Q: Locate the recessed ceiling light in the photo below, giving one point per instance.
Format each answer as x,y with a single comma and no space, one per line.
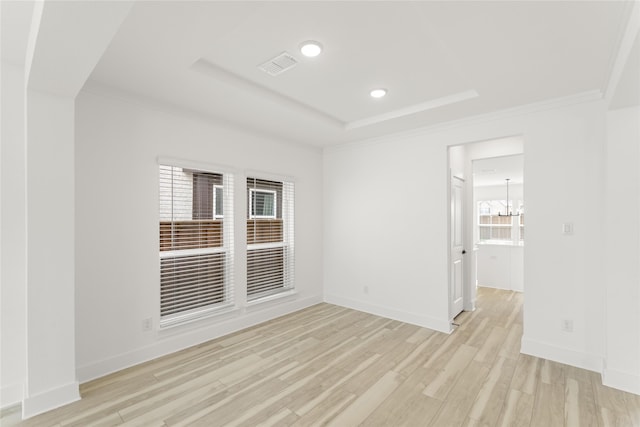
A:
311,48
378,93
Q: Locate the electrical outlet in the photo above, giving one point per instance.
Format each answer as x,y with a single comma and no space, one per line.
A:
365,289
567,325
147,324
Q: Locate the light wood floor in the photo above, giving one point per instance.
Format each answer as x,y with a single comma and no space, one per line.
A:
328,365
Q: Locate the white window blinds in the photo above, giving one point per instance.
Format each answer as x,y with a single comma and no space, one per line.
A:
196,243
270,239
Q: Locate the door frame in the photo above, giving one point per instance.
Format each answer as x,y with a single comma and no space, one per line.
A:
507,145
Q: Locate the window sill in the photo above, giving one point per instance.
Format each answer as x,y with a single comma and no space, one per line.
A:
273,297
171,324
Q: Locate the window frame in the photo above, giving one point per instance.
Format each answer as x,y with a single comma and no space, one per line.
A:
283,212
194,312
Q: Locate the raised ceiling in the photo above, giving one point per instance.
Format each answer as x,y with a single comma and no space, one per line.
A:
440,61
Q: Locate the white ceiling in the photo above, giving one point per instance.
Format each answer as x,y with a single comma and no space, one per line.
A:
494,171
203,56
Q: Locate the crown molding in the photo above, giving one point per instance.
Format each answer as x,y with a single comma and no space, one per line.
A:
412,109
536,107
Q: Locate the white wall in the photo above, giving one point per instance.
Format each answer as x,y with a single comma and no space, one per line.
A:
507,146
457,161
51,379
13,229
399,253
117,272
385,241
57,44
622,222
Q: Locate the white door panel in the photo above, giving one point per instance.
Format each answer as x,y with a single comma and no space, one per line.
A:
457,250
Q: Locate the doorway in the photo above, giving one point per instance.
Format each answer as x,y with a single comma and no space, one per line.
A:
498,222
467,238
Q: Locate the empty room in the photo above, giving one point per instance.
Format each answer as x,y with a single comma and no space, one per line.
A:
307,213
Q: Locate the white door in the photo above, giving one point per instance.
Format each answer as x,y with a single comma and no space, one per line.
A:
456,277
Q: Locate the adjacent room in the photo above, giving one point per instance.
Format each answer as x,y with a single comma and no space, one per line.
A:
499,227
313,213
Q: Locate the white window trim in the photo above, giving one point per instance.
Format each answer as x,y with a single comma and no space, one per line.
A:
200,166
191,252
266,245
184,318
275,204
267,176
287,293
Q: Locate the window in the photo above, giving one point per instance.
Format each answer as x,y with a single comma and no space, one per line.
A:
270,242
196,243
262,203
492,226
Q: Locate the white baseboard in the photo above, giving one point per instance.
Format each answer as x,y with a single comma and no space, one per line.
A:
11,395
178,339
403,316
51,399
624,381
567,356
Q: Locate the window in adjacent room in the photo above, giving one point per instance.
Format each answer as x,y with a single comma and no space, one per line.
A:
495,227
196,243
270,240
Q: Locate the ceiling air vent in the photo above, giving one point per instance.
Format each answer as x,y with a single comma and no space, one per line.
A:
279,64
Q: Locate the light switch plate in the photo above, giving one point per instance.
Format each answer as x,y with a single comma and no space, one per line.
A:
567,228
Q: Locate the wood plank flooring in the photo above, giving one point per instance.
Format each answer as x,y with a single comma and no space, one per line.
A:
328,365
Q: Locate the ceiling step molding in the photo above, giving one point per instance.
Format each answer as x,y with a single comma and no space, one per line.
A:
434,103
550,104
